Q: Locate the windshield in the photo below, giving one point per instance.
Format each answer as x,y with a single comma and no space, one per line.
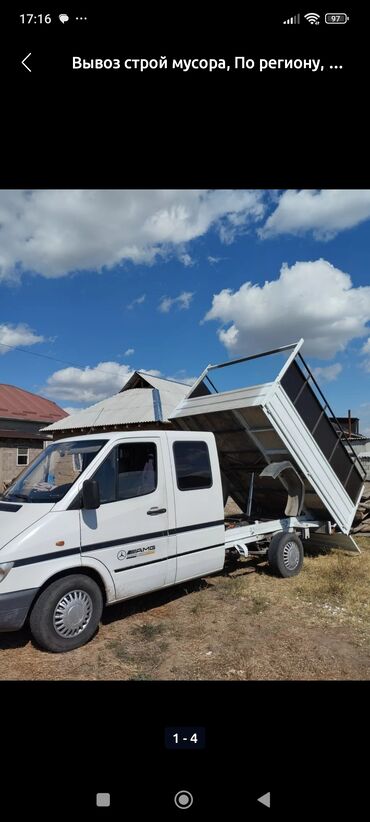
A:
53,473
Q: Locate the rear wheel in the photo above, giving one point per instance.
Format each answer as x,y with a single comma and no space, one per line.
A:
67,613
285,554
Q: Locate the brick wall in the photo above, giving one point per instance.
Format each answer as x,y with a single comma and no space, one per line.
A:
9,469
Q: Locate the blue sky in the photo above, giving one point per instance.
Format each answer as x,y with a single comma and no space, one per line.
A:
170,281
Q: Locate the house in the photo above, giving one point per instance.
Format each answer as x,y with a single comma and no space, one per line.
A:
22,415
145,402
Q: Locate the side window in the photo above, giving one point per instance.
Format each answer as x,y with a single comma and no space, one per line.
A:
137,469
128,471
193,467
106,477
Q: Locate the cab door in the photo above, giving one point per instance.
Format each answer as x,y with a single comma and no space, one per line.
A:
129,531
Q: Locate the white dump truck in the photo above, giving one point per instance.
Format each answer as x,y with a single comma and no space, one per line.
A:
104,517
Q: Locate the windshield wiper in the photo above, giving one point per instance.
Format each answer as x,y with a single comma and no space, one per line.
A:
17,496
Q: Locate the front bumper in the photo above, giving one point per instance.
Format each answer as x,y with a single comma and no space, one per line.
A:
14,608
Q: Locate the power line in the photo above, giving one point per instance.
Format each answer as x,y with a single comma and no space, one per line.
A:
54,359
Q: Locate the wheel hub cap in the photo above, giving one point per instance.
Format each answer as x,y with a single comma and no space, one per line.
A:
72,614
291,555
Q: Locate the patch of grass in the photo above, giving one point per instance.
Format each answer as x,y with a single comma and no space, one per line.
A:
121,654
229,665
149,630
120,651
331,587
230,586
200,606
338,577
257,604
335,586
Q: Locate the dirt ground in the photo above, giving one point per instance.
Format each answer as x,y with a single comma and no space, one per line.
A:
242,624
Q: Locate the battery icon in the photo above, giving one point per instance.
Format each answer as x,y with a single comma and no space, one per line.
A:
336,18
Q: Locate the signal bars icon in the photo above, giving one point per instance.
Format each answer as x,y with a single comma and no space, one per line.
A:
293,20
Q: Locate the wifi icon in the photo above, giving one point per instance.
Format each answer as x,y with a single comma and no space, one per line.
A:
312,18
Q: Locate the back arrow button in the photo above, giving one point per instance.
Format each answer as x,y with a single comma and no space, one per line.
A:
265,800
24,61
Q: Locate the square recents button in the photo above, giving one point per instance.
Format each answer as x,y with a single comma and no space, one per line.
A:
103,800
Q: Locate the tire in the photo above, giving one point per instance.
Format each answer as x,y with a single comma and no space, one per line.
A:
67,613
285,554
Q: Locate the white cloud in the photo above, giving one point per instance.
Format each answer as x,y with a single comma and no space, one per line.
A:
182,301
324,212
56,232
17,336
186,259
165,305
328,373
129,352
89,384
313,300
137,301
213,260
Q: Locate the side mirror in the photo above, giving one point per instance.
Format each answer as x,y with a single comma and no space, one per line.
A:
90,494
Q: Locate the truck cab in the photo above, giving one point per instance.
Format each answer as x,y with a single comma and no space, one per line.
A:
102,518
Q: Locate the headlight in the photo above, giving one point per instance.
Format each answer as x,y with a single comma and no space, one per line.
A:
5,567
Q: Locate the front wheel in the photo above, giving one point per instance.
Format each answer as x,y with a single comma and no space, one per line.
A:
67,613
285,554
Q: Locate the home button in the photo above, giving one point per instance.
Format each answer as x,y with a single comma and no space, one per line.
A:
183,800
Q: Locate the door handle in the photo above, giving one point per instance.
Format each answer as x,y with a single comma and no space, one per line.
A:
153,511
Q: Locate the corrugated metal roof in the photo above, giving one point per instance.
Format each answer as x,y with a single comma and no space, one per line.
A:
171,392
15,403
136,405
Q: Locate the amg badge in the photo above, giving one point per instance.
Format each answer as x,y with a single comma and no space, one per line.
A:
134,552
